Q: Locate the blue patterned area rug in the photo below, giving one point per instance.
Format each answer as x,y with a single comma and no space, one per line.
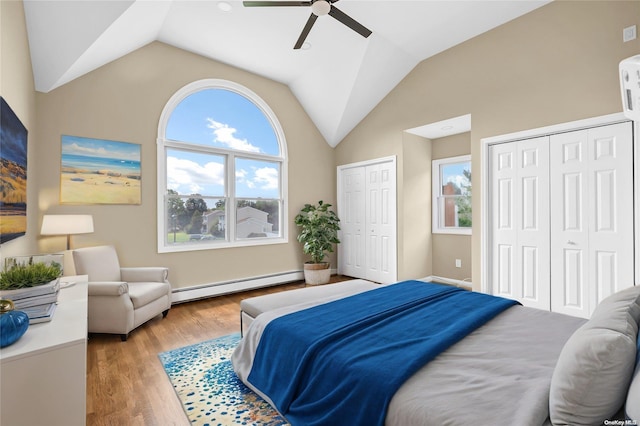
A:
210,391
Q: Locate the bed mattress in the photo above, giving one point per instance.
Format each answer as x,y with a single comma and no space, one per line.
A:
499,373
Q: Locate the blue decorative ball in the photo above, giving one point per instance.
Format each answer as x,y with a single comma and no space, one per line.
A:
13,324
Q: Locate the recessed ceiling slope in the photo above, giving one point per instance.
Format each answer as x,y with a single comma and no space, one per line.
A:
60,32
141,24
338,81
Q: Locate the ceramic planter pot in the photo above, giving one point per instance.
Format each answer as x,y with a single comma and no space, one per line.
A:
317,273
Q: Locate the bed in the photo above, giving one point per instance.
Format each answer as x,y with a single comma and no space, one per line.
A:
520,365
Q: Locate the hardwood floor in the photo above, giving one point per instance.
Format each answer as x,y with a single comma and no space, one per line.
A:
126,384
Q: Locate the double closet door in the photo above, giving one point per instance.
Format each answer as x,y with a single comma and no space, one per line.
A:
367,211
562,218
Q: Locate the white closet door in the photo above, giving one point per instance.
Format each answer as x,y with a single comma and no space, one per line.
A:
520,221
380,219
532,222
570,227
351,251
504,243
592,211
367,211
611,238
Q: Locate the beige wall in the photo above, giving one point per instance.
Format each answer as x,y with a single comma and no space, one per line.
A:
451,146
123,101
414,242
556,64
17,89
448,247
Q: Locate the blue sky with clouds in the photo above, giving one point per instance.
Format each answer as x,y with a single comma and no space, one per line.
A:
88,147
454,173
224,119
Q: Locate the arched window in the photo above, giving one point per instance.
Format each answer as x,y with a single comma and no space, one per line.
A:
222,169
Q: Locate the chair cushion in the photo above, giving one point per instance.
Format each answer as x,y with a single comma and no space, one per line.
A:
99,263
144,293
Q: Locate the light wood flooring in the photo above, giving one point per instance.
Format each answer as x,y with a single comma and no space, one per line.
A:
126,384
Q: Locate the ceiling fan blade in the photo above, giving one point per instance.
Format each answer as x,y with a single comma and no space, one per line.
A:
275,3
305,31
349,22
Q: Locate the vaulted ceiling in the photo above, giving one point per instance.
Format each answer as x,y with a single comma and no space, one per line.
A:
338,77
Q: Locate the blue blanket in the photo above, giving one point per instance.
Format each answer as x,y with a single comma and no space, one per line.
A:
342,362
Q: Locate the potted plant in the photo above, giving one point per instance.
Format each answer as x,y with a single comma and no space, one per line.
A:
319,228
22,286
23,277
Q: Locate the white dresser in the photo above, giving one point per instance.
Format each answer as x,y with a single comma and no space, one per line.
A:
43,375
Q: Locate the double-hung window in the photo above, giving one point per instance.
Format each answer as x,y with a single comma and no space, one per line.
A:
221,169
451,193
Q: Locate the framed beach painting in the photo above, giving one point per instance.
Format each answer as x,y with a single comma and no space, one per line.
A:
98,171
13,174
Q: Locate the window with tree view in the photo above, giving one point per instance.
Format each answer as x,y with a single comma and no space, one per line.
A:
221,169
451,179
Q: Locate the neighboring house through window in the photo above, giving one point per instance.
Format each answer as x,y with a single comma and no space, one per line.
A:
222,169
451,193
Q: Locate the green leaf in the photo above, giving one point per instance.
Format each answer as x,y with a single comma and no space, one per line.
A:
319,228
29,275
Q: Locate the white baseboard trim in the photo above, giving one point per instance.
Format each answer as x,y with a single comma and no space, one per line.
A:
187,294
458,283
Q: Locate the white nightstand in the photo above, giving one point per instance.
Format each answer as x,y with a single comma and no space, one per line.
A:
43,375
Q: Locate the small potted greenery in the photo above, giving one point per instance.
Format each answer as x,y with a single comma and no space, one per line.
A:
319,228
23,281
24,276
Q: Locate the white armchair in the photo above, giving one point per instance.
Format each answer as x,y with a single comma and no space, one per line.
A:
121,299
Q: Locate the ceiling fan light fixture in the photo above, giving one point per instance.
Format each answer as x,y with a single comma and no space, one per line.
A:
320,7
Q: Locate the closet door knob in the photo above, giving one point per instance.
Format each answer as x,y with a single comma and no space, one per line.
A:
572,243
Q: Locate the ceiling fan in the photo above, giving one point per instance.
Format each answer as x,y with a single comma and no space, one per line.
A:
318,8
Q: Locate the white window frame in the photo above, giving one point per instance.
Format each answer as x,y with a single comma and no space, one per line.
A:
163,144
436,193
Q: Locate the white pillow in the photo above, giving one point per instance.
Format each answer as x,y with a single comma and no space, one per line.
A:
632,409
619,312
592,376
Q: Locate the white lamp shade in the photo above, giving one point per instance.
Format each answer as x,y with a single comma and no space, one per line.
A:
66,224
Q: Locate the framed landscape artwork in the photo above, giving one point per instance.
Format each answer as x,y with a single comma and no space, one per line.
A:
98,171
13,174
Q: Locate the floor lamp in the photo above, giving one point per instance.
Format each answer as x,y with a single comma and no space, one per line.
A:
67,224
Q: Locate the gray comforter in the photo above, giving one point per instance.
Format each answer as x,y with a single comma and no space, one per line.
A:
499,374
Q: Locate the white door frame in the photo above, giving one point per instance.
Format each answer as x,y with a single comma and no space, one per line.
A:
393,161
485,240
